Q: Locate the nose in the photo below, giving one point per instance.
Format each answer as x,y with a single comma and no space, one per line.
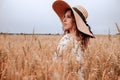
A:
64,19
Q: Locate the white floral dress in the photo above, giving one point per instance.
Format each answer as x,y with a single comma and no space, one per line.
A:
69,43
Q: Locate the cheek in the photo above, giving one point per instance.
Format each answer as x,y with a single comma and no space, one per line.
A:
71,23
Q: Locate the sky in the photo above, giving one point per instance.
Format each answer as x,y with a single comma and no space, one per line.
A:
28,16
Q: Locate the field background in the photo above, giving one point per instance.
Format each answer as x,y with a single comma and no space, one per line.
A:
30,57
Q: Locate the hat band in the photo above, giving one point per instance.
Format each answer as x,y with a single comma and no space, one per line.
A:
80,14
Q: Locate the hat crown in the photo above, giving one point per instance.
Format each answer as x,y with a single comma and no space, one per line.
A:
82,10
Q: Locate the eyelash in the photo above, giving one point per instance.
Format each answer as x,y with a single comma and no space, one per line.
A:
68,16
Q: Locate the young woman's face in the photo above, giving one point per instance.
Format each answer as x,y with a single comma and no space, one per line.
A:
68,21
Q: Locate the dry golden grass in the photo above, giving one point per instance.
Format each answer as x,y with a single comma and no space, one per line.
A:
30,57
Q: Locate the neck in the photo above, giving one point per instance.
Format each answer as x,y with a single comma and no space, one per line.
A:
73,33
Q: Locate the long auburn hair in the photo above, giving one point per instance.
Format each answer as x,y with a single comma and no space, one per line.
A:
81,37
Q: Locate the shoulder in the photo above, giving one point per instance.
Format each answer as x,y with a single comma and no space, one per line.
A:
65,40
63,44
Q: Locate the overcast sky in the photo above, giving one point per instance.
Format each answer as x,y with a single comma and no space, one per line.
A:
22,16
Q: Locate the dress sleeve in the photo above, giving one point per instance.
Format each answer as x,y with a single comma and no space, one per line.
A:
62,45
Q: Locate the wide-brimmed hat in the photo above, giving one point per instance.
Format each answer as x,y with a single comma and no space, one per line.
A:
79,12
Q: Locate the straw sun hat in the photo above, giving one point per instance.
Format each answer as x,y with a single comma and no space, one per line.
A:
79,12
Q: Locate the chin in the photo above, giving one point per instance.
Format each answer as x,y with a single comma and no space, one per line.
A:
66,29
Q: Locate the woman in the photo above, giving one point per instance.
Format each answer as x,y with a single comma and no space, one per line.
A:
77,34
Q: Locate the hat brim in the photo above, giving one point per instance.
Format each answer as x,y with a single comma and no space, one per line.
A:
60,8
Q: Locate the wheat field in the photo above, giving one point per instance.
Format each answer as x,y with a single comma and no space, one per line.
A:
31,57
